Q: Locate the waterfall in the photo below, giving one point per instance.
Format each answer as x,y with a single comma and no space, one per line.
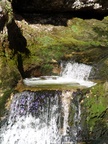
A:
37,118
34,118
71,73
75,71
42,117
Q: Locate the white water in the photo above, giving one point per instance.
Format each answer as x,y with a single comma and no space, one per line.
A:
72,73
76,129
37,117
27,131
32,121
76,71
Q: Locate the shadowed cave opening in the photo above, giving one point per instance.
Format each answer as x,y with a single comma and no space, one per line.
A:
59,18
55,16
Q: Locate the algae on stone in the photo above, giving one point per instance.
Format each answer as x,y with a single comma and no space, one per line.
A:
95,113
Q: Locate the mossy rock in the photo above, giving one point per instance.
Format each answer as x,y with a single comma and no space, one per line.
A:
102,69
88,38
9,74
47,42
51,42
95,113
4,99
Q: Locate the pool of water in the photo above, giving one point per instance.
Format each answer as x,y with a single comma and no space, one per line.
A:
46,81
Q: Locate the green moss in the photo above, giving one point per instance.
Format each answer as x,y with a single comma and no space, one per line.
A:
47,42
71,116
97,100
9,74
3,101
96,109
80,35
46,69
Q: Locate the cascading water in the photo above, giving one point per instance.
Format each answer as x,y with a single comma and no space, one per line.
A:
34,119
75,71
42,117
37,118
71,73
76,129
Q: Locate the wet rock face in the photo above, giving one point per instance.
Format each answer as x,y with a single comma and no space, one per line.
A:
59,5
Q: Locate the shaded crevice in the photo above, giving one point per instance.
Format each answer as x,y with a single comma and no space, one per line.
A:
3,19
58,12
59,18
17,43
20,65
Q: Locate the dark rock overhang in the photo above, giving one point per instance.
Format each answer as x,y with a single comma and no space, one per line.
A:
59,5
69,8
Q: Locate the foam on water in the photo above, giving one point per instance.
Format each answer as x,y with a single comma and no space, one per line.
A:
72,73
28,130
33,119
41,117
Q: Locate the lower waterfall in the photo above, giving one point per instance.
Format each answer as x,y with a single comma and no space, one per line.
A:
37,118
43,116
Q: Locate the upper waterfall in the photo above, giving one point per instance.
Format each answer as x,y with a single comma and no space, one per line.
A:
75,71
71,73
